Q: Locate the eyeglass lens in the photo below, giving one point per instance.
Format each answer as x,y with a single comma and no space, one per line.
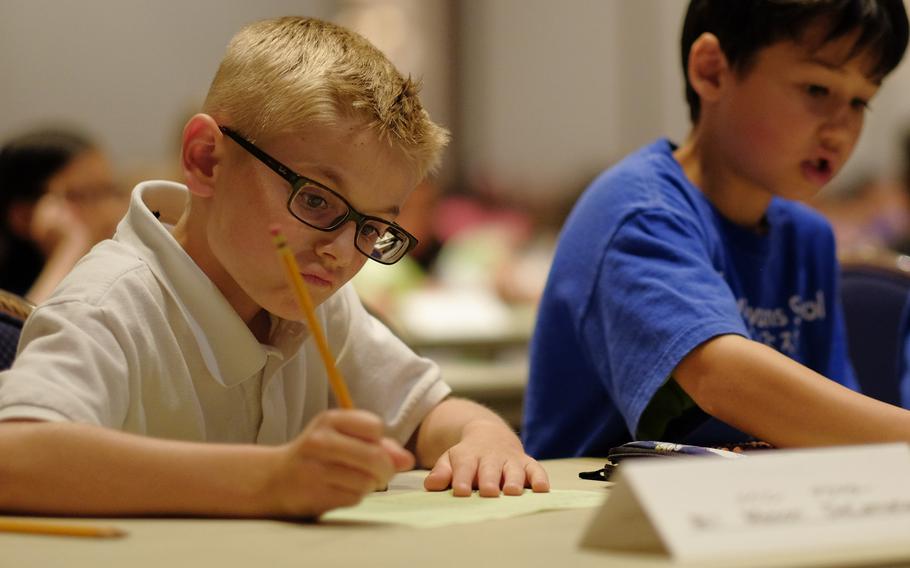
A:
324,210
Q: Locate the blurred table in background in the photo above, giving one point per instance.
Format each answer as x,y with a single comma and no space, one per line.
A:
497,385
480,343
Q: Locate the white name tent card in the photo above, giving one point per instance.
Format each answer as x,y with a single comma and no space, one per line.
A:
846,502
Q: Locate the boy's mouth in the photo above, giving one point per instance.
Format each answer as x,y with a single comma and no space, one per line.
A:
818,171
317,281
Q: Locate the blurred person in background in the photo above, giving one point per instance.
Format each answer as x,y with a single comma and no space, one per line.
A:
871,213
902,243
57,199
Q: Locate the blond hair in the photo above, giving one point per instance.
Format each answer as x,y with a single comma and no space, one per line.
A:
287,73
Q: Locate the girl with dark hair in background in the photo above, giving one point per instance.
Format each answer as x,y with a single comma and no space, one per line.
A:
57,199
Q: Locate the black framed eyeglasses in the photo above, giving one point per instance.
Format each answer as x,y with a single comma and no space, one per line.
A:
321,208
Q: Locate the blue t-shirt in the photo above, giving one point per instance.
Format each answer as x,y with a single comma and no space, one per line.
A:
646,270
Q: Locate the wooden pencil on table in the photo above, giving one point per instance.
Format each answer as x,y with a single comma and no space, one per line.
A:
58,529
292,270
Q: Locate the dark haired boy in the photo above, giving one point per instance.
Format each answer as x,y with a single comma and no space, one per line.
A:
692,298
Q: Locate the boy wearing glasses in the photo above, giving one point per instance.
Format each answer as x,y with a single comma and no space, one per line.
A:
692,299
183,330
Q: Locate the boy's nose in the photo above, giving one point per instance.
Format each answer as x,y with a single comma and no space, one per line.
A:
842,127
338,245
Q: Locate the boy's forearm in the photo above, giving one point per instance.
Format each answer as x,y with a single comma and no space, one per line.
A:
445,426
64,468
764,393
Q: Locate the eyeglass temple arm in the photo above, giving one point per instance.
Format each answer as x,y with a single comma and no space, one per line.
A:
279,168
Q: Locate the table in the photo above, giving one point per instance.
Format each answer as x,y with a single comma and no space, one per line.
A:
546,539
543,540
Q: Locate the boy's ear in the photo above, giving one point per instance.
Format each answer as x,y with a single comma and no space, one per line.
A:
707,67
199,155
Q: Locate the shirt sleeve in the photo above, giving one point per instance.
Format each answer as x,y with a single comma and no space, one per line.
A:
69,368
658,295
385,376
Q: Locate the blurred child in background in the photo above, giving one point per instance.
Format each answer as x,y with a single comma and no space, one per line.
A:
57,199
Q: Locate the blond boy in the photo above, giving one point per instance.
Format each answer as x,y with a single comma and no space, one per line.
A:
182,331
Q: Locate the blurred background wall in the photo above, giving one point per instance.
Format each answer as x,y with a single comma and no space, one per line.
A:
540,95
555,88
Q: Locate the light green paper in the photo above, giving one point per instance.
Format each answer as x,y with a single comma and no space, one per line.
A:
426,509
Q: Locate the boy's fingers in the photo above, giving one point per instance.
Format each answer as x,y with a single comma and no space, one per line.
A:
332,446
325,442
348,480
537,477
356,423
402,459
464,471
440,477
513,479
489,476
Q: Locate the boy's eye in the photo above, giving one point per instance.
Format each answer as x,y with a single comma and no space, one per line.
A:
817,91
369,231
313,201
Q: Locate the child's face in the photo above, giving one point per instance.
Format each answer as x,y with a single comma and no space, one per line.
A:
87,185
348,158
791,120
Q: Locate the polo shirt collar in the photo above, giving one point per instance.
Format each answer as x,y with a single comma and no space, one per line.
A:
230,350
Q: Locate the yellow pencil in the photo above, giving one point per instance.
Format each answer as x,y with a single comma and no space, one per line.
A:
336,381
57,529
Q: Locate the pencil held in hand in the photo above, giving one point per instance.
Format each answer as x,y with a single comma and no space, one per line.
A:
336,381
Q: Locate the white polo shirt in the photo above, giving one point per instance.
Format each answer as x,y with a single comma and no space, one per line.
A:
138,338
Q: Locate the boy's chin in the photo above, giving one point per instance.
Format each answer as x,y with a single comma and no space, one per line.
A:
286,306
805,192
799,189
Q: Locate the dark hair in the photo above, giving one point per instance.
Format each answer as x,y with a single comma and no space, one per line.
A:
743,27
29,161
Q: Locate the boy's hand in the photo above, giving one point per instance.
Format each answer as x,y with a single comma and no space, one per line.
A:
55,223
489,456
339,457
